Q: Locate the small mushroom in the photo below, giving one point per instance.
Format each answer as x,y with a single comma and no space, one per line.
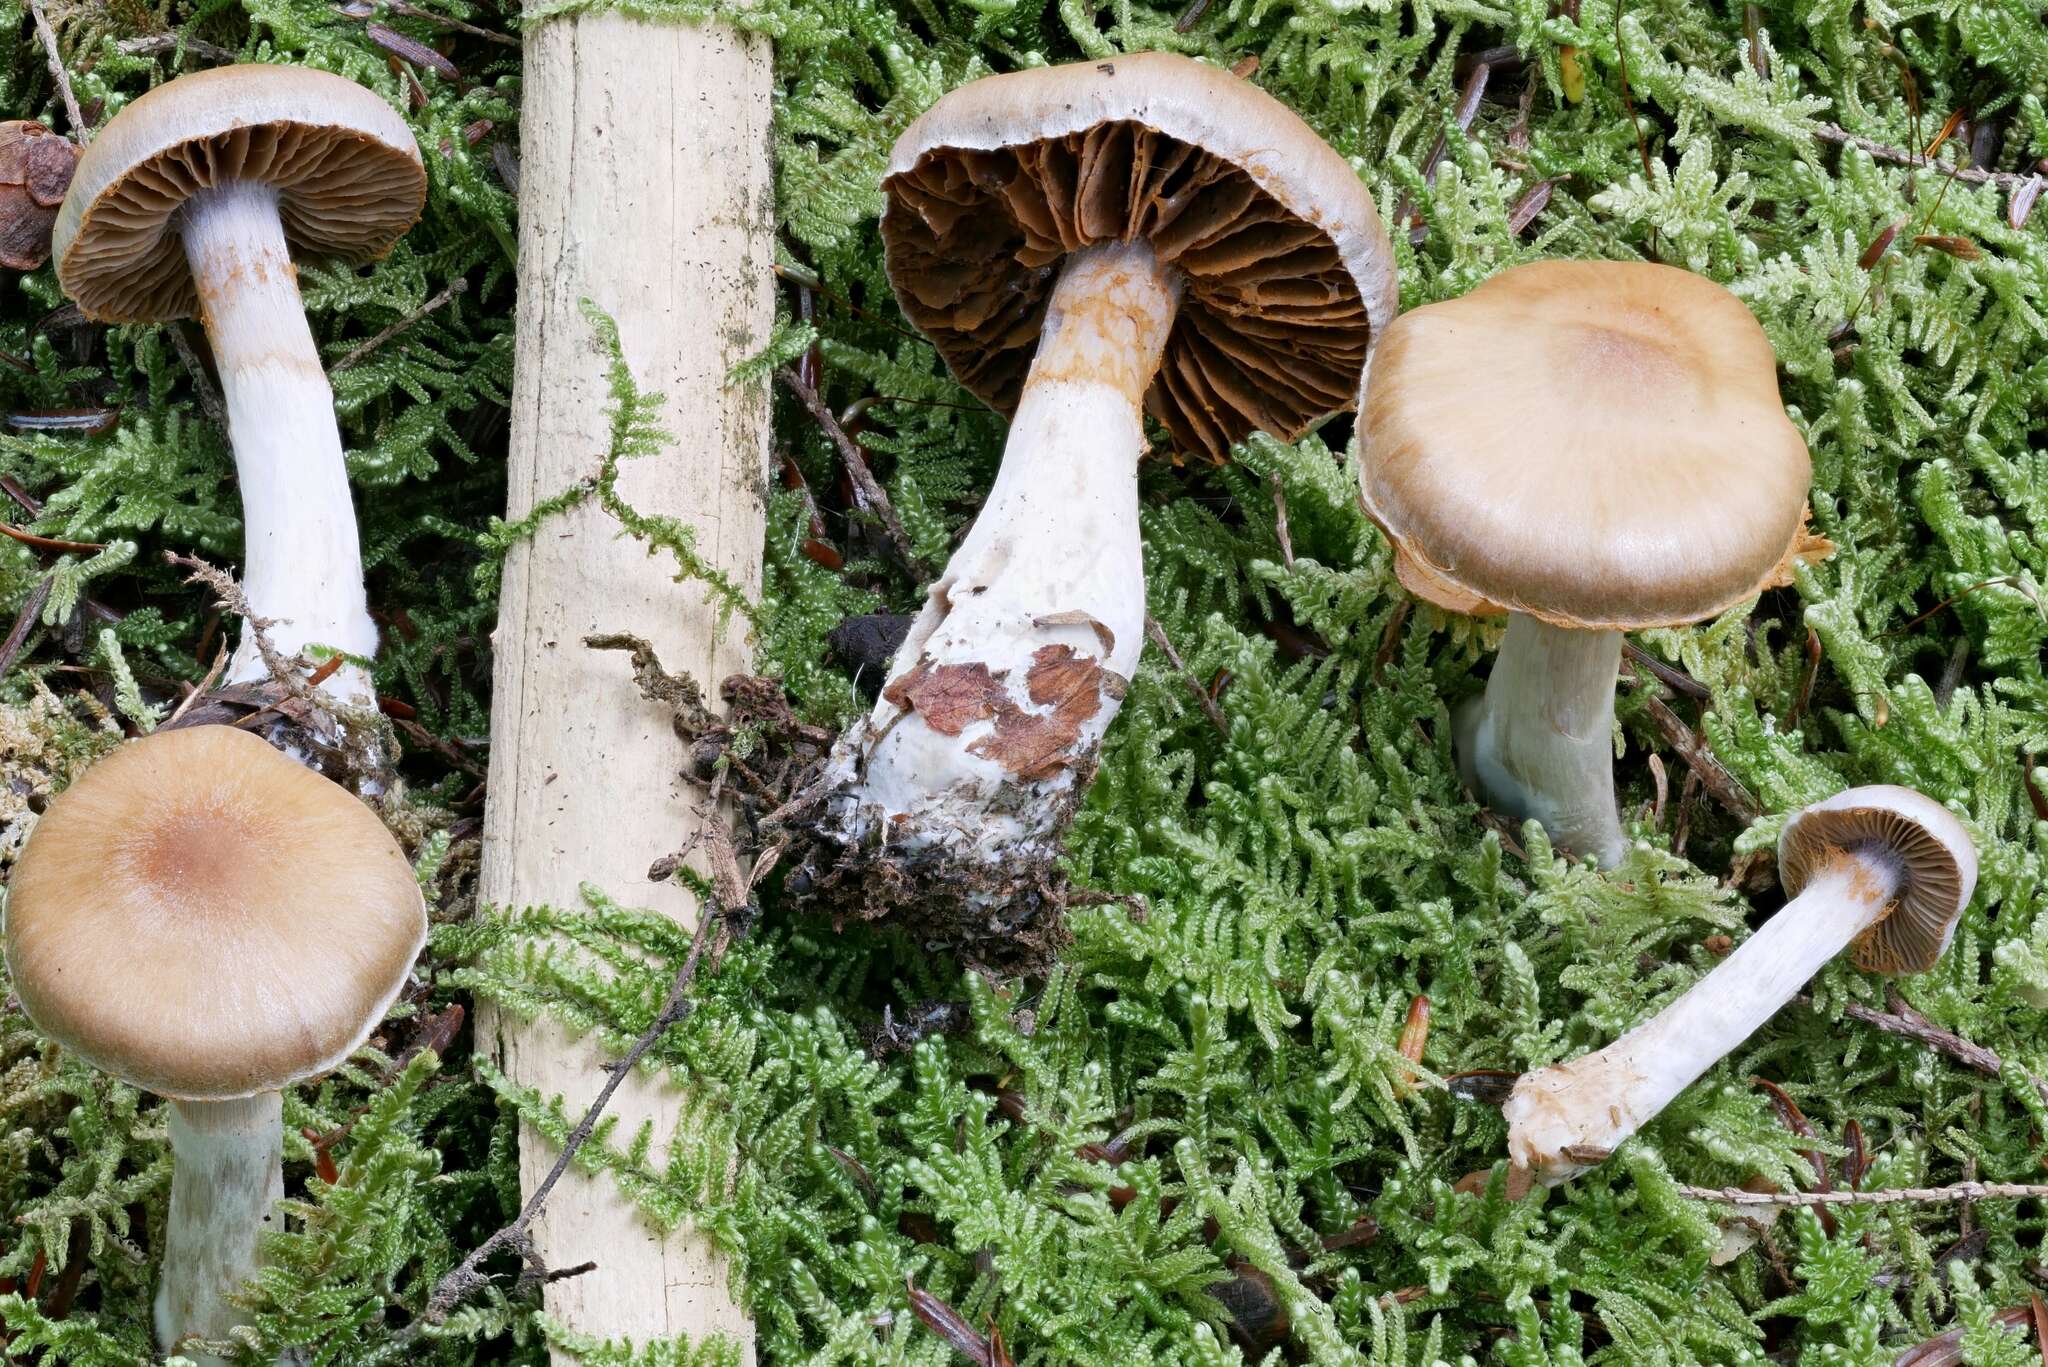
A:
1883,871
190,201
1592,447
35,169
1084,245
207,920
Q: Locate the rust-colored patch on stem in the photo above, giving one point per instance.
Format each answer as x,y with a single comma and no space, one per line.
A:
1031,745
950,698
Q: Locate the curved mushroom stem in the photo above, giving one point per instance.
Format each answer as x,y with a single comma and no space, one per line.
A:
1539,742
227,1180
1568,1117
303,565
998,699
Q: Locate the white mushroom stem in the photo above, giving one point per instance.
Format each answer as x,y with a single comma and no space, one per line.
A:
227,1179
1540,741
1053,560
1568,1117
303,567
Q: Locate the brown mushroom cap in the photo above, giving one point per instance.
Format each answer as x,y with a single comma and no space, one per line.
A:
1936,859
201,916
346,167
1594,443
1287,274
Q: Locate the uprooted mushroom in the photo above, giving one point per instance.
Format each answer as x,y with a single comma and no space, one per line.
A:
1085,245
191,201
1882,871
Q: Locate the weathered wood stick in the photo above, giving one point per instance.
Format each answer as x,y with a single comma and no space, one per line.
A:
646,189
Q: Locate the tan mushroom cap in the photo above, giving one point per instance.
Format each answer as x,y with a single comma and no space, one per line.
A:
1594,443
1935,856
346,167
1287,273
208,920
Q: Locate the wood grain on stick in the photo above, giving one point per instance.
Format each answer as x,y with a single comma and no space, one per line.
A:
646,189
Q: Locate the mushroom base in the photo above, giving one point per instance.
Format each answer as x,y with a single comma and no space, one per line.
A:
1539,742
987,731
225,1186
1570,1116
1001,915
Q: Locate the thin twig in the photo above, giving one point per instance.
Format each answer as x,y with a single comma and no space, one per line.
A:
443,21
151,44
1918,1028
856,466
1671,676
25,623
220,664
1898,156
1952,674
1961,1191
465,1277
1464,112
1691,748
1191,16
1158,635
209,396
284,671
1628,104
1280,528
458,286
46,543
79,132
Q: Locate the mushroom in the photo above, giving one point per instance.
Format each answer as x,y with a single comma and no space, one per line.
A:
211,922
1592,447
191,200
1086,244
1882,869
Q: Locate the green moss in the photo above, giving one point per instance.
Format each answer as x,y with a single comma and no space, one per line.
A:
1303,876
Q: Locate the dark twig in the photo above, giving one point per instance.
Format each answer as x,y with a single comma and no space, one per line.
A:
149,45
856,466
1209,707
1692,748
45,543
1899,156
439,301
1807,679
25,623
209,395
1921,1030
1952,674
797,275
1280,529
1467,108
220,664
2002,581
443,21
79,132
1628,104
1671,676
466,1277
1191,16
30,504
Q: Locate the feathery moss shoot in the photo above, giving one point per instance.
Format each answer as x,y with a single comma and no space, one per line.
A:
1195,1135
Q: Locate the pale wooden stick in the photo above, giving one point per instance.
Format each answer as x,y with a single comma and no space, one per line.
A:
646,190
